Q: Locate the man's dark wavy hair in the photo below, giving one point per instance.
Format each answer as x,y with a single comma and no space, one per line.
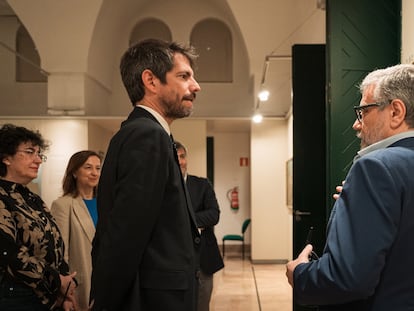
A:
152,54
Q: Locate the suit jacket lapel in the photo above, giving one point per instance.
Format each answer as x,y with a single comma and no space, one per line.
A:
190,206
140,112
81,212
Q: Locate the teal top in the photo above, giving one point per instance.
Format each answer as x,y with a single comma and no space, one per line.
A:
93,211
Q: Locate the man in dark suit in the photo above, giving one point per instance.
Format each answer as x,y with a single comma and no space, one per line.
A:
367,260
145,250
207,215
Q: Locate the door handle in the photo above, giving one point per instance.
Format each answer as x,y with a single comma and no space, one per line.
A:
300,213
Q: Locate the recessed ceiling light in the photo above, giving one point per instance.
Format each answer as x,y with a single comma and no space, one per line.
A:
257,118
264,95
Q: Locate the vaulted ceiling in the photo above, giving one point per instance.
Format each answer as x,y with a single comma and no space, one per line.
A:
264,32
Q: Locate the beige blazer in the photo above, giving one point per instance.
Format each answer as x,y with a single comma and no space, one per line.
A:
77,228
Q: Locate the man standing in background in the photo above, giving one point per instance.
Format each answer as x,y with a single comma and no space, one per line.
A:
207,215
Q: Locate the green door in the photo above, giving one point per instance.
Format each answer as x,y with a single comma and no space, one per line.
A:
362,35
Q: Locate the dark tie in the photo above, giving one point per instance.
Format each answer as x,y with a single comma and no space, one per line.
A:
174,149
187,196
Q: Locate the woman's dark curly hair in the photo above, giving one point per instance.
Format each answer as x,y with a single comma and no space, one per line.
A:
11,136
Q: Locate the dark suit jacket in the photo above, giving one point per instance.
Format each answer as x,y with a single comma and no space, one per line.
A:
368,256
145,251
207,215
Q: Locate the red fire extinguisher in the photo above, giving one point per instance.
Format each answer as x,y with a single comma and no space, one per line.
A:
233,197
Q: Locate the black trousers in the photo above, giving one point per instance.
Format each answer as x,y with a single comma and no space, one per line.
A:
17,297
205,288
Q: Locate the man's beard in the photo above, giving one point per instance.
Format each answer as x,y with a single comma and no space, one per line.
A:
373,136
176,110
362,143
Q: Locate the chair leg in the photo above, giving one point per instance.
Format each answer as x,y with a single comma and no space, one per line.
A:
243,250
223,248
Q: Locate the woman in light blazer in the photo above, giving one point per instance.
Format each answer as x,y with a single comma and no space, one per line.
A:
76,215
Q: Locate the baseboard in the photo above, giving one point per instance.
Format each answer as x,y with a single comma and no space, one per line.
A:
235,249
269,261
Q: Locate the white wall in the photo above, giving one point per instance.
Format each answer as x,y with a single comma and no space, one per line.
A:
290,155
98,138
407,47
192,134
271,218
229,148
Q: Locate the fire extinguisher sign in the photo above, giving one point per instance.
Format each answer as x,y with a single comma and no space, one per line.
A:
244,161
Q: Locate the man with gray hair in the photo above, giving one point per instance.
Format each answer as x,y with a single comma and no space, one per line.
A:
207,213
366,261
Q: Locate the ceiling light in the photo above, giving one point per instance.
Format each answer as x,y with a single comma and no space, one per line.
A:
257,118
264,95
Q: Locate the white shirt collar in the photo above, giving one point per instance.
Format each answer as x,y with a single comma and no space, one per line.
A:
384,143
157,116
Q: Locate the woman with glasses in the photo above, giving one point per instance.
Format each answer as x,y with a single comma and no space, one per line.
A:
33,273
76,215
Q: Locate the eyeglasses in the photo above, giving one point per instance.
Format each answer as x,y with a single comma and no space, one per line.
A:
360,109
33,154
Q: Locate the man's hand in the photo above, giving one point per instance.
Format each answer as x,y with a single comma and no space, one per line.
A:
338,190
302,258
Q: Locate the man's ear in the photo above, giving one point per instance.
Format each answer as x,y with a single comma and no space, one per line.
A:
148,79
398,113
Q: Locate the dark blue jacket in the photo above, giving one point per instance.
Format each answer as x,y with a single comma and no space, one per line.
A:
368,257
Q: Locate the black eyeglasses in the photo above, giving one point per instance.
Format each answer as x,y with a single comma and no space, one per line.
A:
360,109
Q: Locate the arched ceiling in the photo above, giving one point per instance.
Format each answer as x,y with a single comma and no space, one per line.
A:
263,33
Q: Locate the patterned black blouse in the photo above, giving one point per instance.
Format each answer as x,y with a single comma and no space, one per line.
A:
31,247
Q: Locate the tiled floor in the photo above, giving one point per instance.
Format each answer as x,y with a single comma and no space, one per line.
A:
242,286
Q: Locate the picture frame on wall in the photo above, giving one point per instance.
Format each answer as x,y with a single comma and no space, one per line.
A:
289,182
